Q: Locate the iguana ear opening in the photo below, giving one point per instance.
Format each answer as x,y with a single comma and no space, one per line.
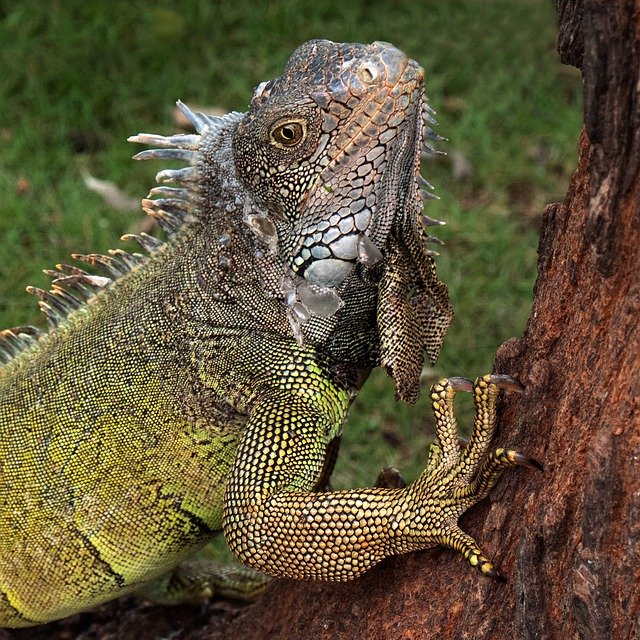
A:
413,314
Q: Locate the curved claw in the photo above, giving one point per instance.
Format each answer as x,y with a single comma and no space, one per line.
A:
483,564
461,384
500,380
463,543
526,461
511,457
492,573
506,382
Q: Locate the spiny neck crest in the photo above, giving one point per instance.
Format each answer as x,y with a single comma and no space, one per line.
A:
185,195
173,207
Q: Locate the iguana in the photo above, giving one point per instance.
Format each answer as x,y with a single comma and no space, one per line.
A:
202,387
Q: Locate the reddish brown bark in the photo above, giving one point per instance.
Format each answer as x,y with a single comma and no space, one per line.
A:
568,539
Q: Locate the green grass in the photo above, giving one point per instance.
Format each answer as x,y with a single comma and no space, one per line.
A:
77,78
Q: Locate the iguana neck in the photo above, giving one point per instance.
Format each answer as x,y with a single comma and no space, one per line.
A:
240,274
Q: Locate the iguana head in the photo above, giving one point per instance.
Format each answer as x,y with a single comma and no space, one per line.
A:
332,149
325,168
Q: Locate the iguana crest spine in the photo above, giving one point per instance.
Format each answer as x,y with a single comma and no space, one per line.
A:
171,207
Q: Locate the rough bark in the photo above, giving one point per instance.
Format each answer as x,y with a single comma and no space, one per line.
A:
568,539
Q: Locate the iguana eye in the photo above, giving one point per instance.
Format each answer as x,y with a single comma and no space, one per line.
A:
289,134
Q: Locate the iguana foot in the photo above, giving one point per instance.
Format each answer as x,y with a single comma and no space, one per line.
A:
455,479
198,580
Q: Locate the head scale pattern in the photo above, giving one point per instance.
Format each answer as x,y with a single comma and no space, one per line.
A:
331,148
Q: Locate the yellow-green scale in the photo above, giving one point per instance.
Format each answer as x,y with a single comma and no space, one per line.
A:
120,477
106,481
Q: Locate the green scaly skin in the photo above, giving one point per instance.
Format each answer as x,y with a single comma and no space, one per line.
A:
201,392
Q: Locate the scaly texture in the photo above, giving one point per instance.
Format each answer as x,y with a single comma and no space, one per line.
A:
203,387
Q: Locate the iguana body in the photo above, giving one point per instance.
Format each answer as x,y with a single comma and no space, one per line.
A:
200,390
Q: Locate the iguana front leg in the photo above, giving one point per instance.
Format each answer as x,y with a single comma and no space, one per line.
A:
276,525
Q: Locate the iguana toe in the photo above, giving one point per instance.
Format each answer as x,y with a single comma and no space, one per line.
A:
460,474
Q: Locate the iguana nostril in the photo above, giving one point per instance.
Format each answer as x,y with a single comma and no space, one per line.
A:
368,73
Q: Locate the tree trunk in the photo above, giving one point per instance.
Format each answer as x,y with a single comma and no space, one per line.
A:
568,540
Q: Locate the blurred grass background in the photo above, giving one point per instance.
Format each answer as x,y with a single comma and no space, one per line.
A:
76,78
